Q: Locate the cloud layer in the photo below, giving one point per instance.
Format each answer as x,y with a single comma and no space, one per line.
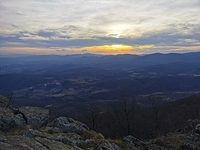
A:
64,26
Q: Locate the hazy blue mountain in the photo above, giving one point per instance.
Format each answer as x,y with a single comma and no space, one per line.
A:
101,61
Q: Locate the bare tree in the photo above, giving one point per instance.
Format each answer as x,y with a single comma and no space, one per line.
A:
94,117
156,111
123,112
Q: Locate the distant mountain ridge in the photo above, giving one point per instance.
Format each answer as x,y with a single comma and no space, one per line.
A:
105,61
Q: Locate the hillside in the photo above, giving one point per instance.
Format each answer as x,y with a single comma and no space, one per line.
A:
27,128
76,81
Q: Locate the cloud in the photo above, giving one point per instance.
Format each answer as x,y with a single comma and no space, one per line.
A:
48,34
60,50
80,23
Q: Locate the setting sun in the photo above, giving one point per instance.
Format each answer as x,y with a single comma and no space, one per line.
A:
109,49
117,46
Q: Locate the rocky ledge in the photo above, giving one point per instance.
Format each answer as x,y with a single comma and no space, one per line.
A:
28,128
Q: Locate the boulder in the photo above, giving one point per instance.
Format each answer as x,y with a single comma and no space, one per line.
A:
20,142
105,145
35,116
9,120
68,125
197,128
6,119
70,139
54,145
4,101
19,120
188,146
191,124
133,140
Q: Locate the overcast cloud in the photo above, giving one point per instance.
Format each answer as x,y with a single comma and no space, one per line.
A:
69,26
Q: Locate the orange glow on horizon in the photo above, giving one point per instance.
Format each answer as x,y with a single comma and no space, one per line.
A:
103,50
109,49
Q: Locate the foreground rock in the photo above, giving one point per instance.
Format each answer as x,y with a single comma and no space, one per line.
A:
68,125
27,128
35,116
12,118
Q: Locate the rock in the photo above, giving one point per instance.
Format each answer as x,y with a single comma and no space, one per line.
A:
4,102
21,142
35,116
68,134
35,133
129,139
6,119
74,137
188,146
68,125
191,124
71,139
132,140
89,143
54,145
197,128
52,130
9,120
105,145
19,120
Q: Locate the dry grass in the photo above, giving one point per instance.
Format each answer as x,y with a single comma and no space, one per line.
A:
92,135
171,142
116,141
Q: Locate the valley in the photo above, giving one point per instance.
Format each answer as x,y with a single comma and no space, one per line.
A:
77,81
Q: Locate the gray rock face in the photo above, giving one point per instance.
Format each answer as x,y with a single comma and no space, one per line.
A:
4,102
132,140
53,145
6,119
188,146
105,145
191,124
9,120
67,134
19,143
35,116
197,128
68,125
19,120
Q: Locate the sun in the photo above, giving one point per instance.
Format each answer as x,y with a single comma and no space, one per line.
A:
117,46
109,49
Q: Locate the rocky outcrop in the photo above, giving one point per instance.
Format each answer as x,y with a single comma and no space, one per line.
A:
197,129
134,143
68,125
31,130
35,116
4,101
12,118
187,138
105,145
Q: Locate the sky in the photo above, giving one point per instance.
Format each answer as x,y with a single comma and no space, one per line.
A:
99,26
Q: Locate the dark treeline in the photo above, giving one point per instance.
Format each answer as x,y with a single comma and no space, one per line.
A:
123,117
